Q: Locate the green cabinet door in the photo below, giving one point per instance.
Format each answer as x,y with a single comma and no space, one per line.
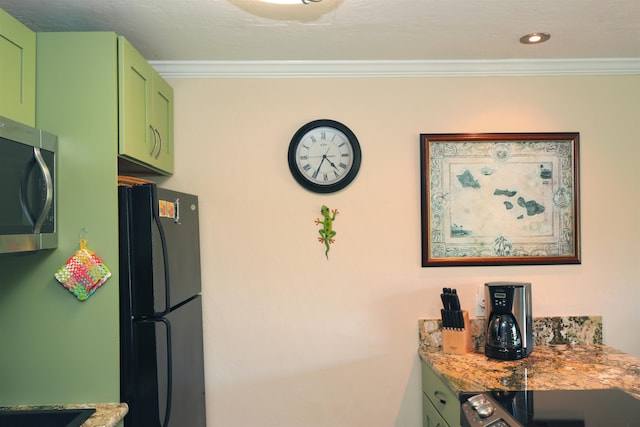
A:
440,405
162,122
146,112
431,416
18,70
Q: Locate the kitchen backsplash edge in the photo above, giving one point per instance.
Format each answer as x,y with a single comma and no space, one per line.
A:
574,330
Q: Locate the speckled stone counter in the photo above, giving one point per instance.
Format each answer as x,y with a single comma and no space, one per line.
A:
563,358
106,415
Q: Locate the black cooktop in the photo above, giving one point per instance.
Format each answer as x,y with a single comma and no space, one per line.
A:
569,408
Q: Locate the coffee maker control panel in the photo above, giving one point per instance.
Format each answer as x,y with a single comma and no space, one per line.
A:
500,300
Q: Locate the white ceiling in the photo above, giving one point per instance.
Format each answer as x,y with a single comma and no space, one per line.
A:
347,30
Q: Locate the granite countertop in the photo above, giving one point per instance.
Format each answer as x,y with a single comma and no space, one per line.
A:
106,415
568,355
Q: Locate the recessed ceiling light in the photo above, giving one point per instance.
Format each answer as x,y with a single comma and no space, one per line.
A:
534,38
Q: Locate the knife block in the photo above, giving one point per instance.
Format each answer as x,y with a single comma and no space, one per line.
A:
458,341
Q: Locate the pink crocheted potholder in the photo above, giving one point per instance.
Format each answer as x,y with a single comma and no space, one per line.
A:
83,273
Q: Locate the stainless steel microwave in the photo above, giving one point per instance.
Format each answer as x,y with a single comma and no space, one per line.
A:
27,188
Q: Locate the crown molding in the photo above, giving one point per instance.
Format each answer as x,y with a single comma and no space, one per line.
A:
425,68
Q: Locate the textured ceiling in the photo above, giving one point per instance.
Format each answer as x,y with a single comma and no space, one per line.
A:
248,30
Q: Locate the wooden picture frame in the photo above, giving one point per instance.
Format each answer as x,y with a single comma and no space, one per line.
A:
500,199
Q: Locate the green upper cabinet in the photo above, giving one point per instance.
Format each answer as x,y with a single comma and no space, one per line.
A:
18,70
146,112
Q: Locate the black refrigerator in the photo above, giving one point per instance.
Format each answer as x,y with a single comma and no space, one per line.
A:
161,350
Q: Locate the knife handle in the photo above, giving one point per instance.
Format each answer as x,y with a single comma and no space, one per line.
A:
455,301
459,319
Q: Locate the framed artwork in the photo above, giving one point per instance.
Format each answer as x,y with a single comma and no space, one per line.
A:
500,199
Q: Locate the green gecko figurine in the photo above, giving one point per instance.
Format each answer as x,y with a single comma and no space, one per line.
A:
326,232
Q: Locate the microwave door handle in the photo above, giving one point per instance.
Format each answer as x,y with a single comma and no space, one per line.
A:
24,184
46,174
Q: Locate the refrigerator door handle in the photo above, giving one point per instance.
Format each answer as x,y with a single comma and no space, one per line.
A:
165,254
167,324
169,373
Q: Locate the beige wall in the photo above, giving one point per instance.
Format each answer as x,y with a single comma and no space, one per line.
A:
293,339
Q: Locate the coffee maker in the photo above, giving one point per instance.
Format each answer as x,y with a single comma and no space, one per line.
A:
509,334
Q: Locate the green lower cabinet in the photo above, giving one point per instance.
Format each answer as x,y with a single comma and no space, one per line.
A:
431,416
18,70
440,405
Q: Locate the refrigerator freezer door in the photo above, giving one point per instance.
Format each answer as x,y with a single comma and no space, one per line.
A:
187,382
165,249
169,370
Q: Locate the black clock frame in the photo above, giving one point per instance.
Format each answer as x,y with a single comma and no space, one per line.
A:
314,186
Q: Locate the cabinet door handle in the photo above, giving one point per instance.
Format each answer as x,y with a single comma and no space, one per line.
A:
155,140
438,395
157,132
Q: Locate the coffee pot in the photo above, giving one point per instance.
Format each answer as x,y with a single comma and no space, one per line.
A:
509,333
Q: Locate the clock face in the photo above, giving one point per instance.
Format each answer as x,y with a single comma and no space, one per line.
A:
324,156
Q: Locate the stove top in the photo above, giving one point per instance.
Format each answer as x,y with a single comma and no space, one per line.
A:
552,408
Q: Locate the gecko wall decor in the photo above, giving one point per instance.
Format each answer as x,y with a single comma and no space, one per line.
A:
327,232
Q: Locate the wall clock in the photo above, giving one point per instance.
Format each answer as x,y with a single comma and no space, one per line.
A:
324,156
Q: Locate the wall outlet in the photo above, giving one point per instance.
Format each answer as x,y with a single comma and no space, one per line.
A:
480,302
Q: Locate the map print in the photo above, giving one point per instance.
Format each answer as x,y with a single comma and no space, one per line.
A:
496,199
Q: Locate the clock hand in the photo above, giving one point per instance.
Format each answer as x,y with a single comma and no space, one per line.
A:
324,156
333,165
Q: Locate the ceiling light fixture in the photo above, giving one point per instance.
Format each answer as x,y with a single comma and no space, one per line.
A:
291,1
535,38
